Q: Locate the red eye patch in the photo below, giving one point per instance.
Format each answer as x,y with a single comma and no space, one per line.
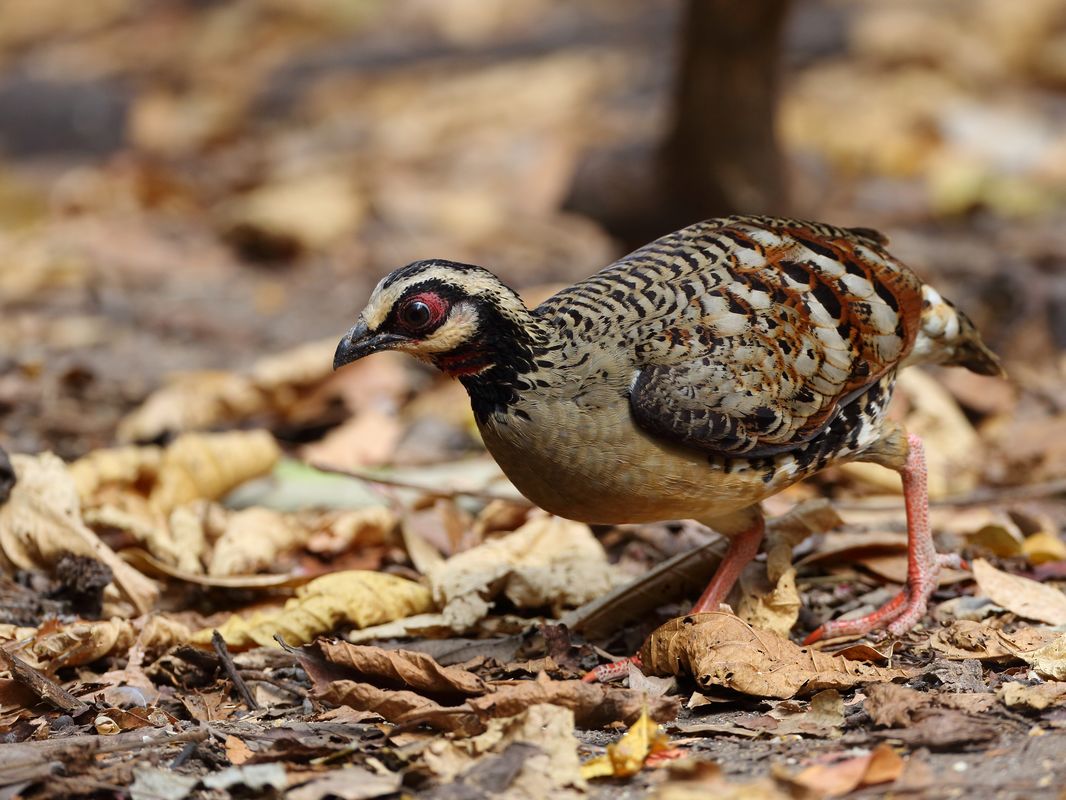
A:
422,311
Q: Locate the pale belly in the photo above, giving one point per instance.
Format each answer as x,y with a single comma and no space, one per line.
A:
599,468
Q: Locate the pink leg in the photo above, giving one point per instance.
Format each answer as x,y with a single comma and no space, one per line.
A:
742,549
904,610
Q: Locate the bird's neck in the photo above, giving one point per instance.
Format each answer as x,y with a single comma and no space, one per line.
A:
497,365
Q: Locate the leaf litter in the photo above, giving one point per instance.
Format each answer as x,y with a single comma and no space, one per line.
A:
179,506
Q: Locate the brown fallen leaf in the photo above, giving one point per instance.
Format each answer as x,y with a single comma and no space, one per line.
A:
398,668
698,780
626,757
823,716
78,643
1049,660
191,401
41,521
549,768
769,599
549,561
593,705
891,705
965,639
719,649
1036,697
839,777
1024,597
356,597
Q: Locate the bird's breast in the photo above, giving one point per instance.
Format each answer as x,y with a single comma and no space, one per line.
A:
584,459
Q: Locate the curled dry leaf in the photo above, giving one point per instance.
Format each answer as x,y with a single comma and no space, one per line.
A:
719,649
41,521
1024,597
550,769
626,757
78,643
193,467
593,705
409,669
769,600
549,561
355,597
965,639
200,466
252,540
840,777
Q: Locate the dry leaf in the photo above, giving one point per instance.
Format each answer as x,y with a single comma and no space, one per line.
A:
895,706
1049,660
838,778
823,716
355,597
702,779
191,401
199,466
549,561
965,639
411,670
719,649
80,643
626,757
1035,698
550,769
1024,597
41,521
1044,546
252,541
367,439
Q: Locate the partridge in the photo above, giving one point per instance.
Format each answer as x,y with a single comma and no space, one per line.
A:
693,378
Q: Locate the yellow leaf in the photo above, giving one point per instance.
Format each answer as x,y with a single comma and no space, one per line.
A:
355,597
626,756
1043,547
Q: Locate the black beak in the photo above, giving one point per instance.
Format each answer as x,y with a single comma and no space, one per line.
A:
359,342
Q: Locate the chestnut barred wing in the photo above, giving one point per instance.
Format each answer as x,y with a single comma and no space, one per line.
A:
780,324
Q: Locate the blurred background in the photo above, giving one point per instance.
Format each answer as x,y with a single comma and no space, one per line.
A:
199,184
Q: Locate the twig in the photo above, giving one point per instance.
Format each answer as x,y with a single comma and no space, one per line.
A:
370,477
975,498
231,670
41,685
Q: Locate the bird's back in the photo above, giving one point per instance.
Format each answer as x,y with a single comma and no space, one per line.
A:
746,335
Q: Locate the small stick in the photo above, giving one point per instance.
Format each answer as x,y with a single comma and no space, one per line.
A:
370,477
41,685
231,670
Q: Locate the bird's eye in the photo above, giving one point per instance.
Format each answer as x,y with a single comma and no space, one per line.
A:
416,314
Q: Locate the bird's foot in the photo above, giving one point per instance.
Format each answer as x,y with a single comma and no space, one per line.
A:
899,614
614,671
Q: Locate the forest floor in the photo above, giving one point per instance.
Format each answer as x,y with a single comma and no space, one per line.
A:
183,243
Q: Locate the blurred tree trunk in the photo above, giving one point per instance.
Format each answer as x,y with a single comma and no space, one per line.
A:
720,155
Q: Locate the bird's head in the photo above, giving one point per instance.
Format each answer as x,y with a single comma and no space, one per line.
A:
459,317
